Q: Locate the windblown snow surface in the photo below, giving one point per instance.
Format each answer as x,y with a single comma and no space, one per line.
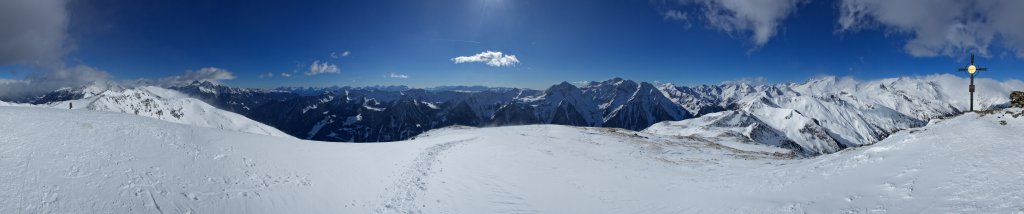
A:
75,161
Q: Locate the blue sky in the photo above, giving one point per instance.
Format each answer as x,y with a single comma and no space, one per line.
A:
552,41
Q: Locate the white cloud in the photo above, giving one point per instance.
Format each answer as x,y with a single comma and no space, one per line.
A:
748,81
266,75
676,15
492,58
34,31
398,76
941,27
285,74
322,68
211,74
680,16
337,55
78,74
42,82
759,18
582,83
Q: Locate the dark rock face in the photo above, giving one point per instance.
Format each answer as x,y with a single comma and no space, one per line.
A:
645,107
1017,99
515,114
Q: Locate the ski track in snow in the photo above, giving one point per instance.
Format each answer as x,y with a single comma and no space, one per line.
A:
403,195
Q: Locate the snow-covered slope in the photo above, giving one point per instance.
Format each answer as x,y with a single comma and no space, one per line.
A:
163,104
2,103
102,162
732,128
824,115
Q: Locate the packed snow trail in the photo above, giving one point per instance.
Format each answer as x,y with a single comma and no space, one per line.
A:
74,161
414,181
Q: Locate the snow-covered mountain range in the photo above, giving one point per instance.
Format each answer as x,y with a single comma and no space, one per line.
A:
827,114
822,115
372,114
238,100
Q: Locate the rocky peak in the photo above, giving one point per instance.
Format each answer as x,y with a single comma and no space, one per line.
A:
564,86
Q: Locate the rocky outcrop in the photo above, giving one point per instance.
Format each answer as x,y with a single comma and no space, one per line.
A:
1017,99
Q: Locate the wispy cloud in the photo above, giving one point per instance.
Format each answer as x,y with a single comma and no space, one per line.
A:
492,58
941,27
285,74
676,15
42,82
266,75
339,55
581,83
748,81
211,74
322,68
396,76
35,33
760,18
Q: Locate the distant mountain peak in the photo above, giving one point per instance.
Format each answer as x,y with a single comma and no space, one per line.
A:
561,87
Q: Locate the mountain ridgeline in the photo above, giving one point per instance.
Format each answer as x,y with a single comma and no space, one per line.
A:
820,116
378,115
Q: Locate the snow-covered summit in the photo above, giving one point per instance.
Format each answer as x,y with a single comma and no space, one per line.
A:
565,103
159,103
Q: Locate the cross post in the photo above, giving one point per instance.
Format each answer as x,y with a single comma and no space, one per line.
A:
971,69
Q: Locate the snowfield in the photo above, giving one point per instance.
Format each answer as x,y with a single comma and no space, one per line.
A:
75,161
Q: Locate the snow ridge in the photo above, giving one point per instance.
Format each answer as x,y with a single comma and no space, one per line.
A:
163,104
